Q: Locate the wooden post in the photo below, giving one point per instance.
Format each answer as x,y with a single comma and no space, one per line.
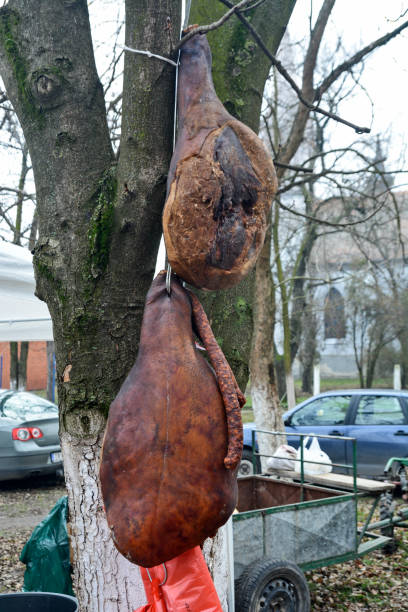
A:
290,390
316,379
397,377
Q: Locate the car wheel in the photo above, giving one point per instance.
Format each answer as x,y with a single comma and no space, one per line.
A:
272,585
246,467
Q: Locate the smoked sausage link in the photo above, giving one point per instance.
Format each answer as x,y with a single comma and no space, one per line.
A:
220,185
164,483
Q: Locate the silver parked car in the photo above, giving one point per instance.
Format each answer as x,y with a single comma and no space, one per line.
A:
29,442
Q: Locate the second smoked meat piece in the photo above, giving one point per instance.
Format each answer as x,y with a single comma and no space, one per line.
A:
220,185
164,482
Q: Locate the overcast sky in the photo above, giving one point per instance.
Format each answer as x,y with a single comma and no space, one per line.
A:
385,76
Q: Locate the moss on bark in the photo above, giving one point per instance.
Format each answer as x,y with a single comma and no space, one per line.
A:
100,228
9,20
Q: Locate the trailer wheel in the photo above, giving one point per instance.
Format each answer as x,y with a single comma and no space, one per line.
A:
272,585
399,472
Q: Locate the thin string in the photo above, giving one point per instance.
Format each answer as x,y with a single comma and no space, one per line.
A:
186,16
149,54
183,27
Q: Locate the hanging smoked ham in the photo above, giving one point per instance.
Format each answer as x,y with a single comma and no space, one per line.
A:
174,436
220,185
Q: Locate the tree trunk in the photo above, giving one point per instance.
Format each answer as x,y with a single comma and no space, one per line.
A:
14,365
280,374
18,365
403,339
216,551
239,71
265,400
22,366
308,352
99,230
309,345
20,196
273,239
104,581
50,371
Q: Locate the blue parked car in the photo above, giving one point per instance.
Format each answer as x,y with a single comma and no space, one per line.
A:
377,419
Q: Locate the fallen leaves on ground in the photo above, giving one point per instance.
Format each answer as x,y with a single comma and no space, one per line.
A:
375,582
22,506
11,569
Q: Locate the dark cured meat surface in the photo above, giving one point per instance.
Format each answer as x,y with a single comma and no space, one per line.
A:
220,185
164,483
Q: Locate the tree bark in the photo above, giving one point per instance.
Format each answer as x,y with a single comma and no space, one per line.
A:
18,365
265,399
50,372
20,196
403,339
309,346
14,365
22,366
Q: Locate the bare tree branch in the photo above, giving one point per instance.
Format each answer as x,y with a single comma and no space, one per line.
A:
355,59
193,30
275,62
331,223
291,167
249,8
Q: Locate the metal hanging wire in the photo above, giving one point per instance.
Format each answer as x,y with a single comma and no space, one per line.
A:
187,7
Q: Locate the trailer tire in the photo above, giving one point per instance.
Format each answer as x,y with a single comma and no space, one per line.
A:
399,472
272,585
246,467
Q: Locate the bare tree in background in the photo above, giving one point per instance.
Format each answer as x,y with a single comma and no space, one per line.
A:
13,197
296,226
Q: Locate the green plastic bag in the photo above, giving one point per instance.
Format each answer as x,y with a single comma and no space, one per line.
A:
46,554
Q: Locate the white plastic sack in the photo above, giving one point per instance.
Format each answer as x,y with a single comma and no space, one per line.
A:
313,452
284,458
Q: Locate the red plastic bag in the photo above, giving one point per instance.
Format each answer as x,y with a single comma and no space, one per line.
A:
183,583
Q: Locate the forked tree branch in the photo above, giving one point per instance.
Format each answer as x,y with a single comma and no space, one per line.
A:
345,66
193,30
282,70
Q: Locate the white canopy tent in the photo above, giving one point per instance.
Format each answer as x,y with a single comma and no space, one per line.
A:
22,315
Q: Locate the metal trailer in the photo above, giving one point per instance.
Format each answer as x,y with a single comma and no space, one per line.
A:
289,522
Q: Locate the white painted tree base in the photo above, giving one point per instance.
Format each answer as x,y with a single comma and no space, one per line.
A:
104,581
268,417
